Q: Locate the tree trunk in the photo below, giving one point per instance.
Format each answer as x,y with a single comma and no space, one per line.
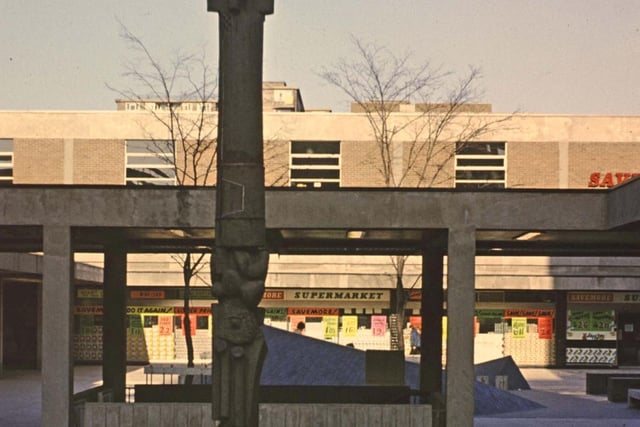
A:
187,274
398,304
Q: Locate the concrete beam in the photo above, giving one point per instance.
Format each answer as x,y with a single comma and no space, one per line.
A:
410,209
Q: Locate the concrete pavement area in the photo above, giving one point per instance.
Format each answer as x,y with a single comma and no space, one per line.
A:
561,391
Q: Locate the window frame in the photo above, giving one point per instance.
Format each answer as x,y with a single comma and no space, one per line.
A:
152,151
324,161
9,163
473,163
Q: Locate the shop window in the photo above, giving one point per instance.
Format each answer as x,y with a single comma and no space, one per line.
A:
364,322
490,325
150,321
480,165
490,296
529,296
6,161
202,322
150,162
315,164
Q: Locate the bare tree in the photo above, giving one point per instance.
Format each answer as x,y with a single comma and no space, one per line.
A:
180,98
411,150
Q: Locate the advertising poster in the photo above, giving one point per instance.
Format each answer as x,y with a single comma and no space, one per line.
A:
349,326
545,328
378,325
165,325
588,325
135,325
330,327
519,327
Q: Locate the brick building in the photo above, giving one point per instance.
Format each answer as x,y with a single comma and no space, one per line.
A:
516,298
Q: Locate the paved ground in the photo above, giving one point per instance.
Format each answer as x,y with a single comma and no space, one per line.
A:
562,392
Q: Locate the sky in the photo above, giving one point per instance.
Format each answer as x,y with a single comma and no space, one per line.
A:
540,56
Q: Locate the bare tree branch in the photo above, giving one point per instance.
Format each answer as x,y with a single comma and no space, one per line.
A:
190,134
382,85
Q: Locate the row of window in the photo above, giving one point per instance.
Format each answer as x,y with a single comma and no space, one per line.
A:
312,164
6,161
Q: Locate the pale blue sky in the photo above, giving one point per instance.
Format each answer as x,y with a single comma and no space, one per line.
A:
549,56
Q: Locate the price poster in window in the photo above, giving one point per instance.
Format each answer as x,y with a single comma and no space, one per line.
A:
135,325
545,328
165,325
378,325
349,326
330,326
519,327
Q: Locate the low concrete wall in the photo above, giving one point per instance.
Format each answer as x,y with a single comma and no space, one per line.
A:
344,415
271,415
147,415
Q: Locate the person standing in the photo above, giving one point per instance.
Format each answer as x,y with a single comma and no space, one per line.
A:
415,340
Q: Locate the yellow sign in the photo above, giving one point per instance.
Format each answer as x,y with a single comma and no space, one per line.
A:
330,326
519,327
349,326
444,328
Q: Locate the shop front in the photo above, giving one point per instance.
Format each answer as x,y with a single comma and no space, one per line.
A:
603,328
155,320
358,318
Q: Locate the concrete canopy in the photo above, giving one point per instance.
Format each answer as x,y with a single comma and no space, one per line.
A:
346,221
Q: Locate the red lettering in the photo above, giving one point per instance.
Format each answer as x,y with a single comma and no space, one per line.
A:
596,179
607,181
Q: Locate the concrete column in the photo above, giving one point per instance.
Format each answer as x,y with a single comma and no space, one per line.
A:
431,311
1,326
460,309
431,337
57,322
114,332
560,329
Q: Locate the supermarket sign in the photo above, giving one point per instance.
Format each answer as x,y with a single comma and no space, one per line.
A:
338,295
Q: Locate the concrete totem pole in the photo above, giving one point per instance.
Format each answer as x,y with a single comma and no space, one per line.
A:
240,258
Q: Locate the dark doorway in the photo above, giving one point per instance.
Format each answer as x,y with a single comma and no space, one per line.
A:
20,325
629,334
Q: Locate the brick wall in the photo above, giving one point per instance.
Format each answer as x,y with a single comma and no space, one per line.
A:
360,164
38,161
99,162
532,165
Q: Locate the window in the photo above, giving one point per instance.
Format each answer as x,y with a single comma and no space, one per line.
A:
150,163
6,161
480,165
315,164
